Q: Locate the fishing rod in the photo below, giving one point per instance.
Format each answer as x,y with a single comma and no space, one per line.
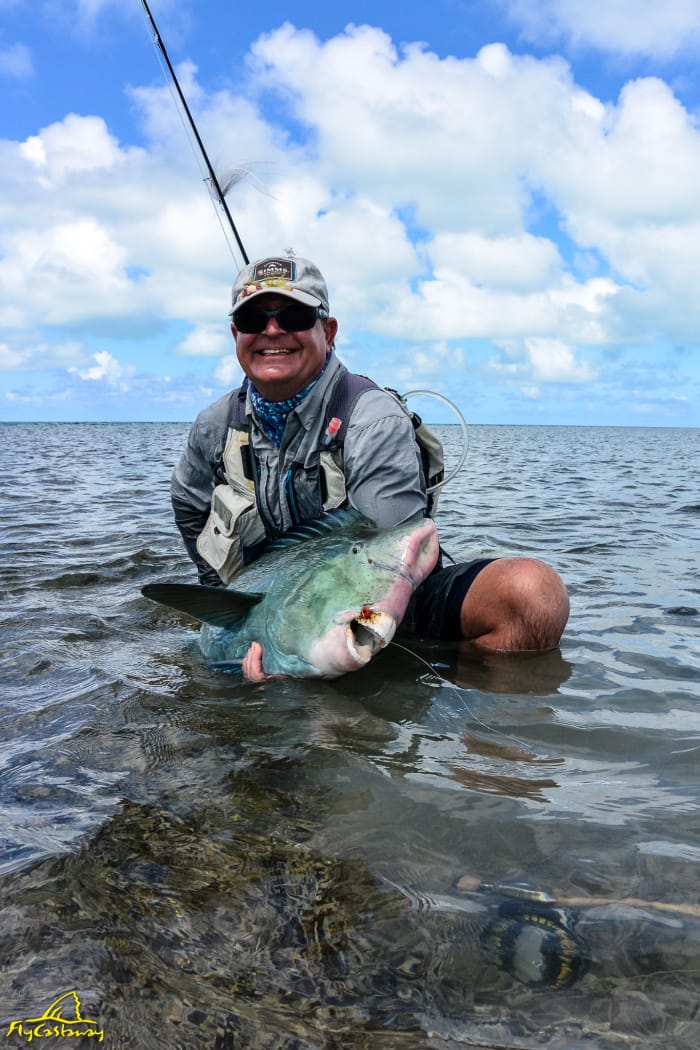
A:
221,200
214,182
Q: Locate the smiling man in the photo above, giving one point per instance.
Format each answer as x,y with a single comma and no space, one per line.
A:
302,436
279,357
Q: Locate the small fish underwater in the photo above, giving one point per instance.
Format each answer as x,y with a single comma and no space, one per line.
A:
322,600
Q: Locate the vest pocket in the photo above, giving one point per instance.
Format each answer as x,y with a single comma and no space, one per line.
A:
334,492
233,524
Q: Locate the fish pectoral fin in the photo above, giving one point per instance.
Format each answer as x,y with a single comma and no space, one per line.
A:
215,605
232,666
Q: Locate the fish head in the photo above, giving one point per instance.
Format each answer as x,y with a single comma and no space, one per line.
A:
357,597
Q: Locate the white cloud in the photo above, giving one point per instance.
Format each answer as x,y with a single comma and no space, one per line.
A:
553,361
30,356
85,18
428,366
451,306
521,262
106,369
634,27
35,400
405,129
76,242
12,359
463,146
228,371
535,362
458,143
72,270
637,163
69,147
487,199
205,341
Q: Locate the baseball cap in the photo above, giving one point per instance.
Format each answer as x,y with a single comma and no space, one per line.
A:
291,276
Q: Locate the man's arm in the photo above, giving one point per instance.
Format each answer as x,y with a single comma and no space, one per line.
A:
193,480
382,461
190,521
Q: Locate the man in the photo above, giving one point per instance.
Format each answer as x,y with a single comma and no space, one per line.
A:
261,459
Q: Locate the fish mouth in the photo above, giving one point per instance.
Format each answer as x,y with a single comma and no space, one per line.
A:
367,633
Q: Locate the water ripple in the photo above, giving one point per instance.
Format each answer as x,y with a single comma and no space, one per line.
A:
255,853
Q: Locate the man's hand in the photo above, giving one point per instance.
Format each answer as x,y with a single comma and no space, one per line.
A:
252,665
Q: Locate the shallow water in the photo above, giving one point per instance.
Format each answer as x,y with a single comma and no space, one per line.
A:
211,863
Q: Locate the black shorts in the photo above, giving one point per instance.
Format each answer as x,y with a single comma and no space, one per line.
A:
435,609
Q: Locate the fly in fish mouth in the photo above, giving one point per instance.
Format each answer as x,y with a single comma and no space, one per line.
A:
368,633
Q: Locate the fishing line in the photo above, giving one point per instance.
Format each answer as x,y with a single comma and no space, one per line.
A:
463,425
197,155
214,187
450,685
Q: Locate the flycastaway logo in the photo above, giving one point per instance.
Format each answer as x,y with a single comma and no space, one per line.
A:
54,1024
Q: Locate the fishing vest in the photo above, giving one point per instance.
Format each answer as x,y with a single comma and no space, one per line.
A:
235,531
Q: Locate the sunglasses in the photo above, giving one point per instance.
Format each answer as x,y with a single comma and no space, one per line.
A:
297,317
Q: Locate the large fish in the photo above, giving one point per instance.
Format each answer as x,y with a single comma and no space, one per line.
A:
321,601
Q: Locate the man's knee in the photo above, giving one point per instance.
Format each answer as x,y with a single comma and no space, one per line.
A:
515,604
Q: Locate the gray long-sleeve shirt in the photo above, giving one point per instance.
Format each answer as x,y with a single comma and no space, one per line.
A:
381,462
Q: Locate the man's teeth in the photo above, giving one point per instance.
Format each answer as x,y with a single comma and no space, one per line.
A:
272,351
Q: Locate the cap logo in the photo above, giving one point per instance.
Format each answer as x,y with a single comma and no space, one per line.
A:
274,269
279,275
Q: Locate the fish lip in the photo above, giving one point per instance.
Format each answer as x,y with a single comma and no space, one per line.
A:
368,633
425,547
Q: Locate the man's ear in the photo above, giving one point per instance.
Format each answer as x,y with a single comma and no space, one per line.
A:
330,326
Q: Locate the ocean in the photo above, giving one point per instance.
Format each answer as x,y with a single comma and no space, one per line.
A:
445,849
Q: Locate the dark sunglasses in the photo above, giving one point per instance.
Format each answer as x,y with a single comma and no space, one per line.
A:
297,317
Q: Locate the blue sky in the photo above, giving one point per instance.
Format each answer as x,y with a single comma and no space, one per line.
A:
504,197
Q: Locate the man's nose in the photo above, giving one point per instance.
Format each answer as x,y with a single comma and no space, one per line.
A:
272,327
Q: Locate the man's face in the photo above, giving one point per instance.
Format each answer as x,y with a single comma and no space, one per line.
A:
279,364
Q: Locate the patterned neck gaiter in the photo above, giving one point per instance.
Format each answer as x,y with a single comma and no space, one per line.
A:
272,415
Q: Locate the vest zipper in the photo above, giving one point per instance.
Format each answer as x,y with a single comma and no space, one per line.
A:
291,498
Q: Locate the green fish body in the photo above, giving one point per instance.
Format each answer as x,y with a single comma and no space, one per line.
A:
322,601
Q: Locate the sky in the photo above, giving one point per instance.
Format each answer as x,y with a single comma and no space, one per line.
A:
503,196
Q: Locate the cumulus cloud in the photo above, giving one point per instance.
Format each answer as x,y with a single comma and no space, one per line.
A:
228,371
46,273
92,230
521,262
633,27
450,202
554,362
106,369
72,146
32,357
469,146
400,140
534,363
205,341
424,366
